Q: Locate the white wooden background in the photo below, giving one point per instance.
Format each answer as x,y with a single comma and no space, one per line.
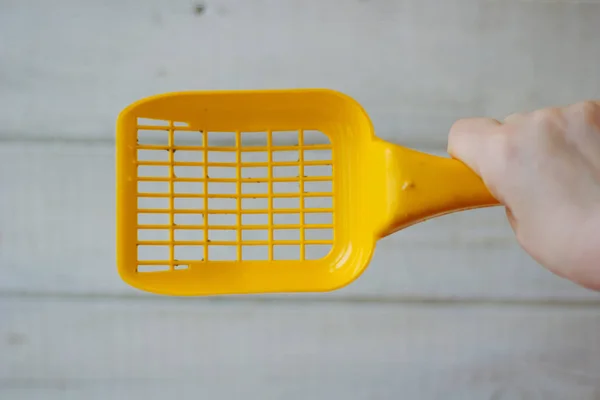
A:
450,309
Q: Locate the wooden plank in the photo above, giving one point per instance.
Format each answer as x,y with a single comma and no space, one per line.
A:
57,227
415,65
227,350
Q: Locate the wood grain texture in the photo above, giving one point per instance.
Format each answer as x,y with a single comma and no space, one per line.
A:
57,235
70,329
68,67
228,350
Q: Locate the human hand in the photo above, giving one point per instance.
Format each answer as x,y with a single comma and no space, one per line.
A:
544,167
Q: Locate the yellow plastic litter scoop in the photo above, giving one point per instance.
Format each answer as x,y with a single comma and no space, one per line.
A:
233,192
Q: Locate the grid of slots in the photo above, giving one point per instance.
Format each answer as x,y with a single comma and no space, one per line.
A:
231,196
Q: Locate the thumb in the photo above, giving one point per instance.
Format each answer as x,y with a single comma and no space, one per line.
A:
471,141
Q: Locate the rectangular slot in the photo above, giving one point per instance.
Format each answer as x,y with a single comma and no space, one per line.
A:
254,139
154,202
248,188
318,202
317,155
153,155
179,267
222,156
153,137
318,234
153,253
318,218
221,139
222,204
258,253
189,172
317,251
285,138
153,234
255,203
286,172
255,234
318,187
288,155
286,202
286,187
286,219
222,188
189,203
153,187
254,156
153,219
180,124
222,235
222,219
286,252
188,138
154,170
315,137
189,253
189,156
317,170
286,234
189,187
255,172
222,253
189,219
222,172
189,234
255,219
152,268
152,122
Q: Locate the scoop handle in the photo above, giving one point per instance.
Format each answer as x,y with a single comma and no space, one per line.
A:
421,186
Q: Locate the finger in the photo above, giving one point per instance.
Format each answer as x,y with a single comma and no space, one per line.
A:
514,118
587,112
470,140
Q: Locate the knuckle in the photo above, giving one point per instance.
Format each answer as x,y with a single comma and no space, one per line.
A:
587,111
548,122
586,107
515,117
546,116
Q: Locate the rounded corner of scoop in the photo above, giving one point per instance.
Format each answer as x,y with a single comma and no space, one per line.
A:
132,278
351,103
129,277
351,267
364,261
341,95
131,107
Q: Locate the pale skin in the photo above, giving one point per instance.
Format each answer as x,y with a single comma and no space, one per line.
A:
544,167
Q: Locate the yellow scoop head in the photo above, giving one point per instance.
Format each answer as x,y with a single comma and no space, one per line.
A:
234,192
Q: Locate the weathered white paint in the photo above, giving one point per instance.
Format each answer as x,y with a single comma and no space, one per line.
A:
220,350
68,67
70,330
57,235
